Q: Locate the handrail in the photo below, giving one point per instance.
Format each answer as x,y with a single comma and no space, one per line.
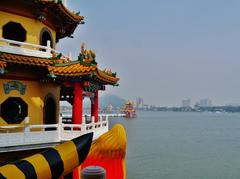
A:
43,126
71,125
12,127
28,49
26,44
38,135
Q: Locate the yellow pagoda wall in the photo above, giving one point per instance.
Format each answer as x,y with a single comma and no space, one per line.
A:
34,96
32,26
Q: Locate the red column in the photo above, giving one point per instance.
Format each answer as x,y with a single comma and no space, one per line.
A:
77,103
95,106
77,114
75,174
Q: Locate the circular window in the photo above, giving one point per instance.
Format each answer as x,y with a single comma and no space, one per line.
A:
14,110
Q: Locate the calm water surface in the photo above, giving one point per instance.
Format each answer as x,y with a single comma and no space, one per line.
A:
169,145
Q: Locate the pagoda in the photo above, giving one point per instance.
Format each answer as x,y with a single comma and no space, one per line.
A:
34,78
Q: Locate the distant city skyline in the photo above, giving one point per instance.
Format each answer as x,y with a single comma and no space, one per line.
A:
164,51
186,103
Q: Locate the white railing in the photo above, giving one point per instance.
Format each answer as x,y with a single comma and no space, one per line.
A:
22,48
104,115
98,128
49,133
33,50
67,117
114,115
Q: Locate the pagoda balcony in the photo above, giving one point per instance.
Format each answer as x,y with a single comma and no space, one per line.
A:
30,137
27,49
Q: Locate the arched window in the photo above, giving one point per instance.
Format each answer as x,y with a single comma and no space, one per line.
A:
14,31
45,35
50,110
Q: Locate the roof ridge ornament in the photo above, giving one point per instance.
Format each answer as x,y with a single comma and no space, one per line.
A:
109,72
64,2
87,57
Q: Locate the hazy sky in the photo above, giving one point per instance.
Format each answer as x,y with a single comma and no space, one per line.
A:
164,50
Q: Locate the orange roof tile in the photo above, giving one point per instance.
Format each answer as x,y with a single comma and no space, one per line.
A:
20,59
78,70
3,64
105,77
71,69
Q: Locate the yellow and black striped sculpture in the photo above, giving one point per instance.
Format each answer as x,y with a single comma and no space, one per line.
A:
53,163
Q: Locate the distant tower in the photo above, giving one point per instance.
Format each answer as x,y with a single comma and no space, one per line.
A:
109,108
186,103
206,102
139,103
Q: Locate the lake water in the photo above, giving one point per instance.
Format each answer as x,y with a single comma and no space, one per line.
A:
171,145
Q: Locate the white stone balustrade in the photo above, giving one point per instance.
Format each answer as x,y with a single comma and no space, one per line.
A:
27,49
38,136
22,48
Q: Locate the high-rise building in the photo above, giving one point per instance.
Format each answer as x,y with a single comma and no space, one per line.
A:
205,102
186,103
139,103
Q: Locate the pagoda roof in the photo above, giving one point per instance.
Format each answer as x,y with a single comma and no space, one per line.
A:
77,69
53,13
71,69
62,69
66,18
25,60
60,8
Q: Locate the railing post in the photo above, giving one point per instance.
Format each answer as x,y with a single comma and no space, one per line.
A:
107,122
100,118
70,55
48,47
93,122
83,125
26,125
26,128
60,128
8,44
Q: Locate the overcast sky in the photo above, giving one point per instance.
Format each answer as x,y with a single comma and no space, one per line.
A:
164,50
